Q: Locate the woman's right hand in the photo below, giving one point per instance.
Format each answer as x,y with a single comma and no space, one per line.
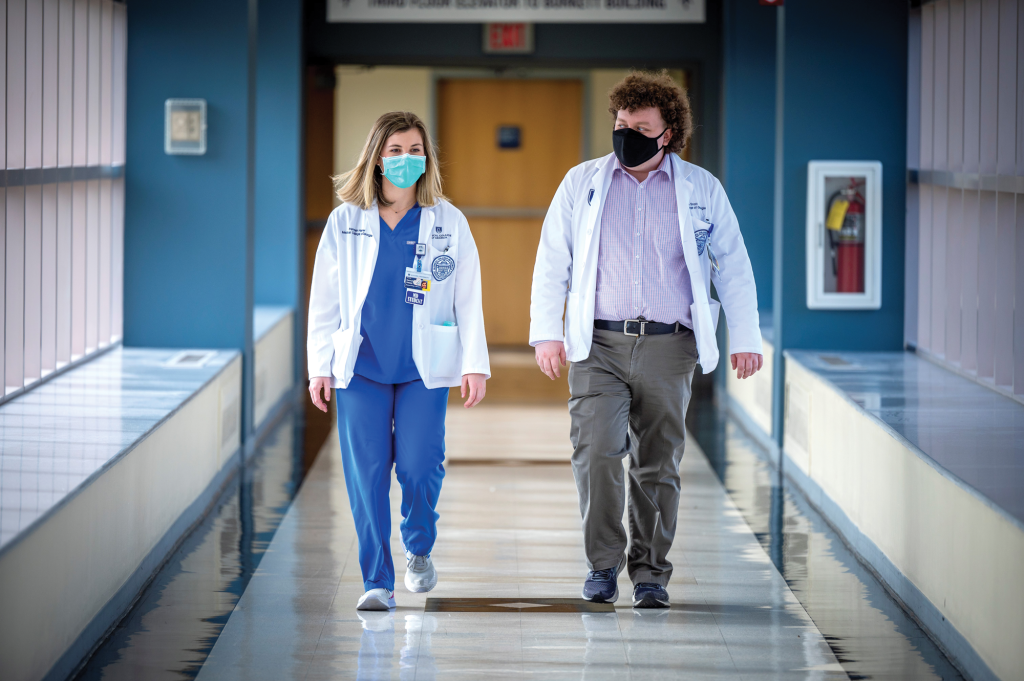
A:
316,384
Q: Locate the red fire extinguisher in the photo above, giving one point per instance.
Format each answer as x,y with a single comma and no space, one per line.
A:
845,223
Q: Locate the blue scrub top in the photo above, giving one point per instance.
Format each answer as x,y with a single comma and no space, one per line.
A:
385,355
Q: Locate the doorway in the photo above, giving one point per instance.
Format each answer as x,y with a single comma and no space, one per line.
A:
505,146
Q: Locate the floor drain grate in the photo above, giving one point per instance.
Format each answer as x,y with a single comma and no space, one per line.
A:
539,605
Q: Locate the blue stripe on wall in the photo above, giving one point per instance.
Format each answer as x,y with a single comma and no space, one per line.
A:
185,231
748,148
279,154
846,99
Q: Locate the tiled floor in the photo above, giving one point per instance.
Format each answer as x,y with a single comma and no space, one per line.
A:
54,437
513,532
973,432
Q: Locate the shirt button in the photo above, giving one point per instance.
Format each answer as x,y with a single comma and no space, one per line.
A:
421,326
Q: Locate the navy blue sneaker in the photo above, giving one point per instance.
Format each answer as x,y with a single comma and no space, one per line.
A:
648,595
602,586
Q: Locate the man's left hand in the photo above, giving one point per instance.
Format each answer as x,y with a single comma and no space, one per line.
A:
746,364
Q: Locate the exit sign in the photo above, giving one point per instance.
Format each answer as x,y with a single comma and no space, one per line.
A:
508,38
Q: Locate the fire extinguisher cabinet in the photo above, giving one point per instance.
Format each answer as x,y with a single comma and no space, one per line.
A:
844,235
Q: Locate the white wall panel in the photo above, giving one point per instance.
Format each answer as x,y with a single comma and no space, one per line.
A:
940,97
103,266
65,81
117,260
80,80
78,219
119,78
3,287
94,86
956,85
927,84
972,85
106,82
1018,317
50,57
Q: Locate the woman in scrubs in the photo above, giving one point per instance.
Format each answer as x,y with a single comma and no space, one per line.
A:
395,319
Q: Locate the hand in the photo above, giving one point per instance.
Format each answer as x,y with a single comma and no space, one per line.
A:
549,355
476,386
316,384
746,364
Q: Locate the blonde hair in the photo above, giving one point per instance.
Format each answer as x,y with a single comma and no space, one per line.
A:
363,185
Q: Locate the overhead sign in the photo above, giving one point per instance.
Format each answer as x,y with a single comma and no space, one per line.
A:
517,11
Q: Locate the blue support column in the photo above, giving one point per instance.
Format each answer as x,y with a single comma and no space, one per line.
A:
188,222
280,209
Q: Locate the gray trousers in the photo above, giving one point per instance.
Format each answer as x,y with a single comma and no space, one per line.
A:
629,397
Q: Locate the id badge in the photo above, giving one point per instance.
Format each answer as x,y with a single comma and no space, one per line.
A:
415,297
417,281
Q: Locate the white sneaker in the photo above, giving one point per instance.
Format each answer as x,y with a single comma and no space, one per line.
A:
376,599
421,575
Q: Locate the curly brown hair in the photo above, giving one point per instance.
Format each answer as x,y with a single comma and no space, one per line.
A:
640,90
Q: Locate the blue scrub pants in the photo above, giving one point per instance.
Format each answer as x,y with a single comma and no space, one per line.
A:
385,424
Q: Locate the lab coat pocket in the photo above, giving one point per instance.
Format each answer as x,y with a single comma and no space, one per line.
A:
445,350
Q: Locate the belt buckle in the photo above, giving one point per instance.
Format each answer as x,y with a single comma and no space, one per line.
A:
625,326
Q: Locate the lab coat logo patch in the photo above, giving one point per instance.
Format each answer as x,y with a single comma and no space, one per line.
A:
439,229
702,240
442,267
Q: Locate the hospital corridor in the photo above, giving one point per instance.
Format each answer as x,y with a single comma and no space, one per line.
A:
570,340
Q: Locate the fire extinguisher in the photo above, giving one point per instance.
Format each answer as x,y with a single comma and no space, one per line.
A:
845,226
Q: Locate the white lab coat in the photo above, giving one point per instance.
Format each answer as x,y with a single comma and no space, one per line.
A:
345,260
567,262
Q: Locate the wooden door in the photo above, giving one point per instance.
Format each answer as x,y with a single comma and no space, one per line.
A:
505,188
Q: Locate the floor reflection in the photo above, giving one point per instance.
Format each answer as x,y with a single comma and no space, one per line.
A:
869,632
377,647
172,628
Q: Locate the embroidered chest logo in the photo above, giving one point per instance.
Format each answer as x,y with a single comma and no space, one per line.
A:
702,240
702,235
442,267
439,233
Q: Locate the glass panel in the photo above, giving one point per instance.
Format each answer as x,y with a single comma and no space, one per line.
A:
987,230
1005,284
938,315
117,266
3,283
16,84
954,267
78,213
119,83
14,291
3,98
106,88
80,80
34,85
65,82
50,57
969,314
64,190
92,259
924,269
93,93
33,279
103,311
844,230
48,321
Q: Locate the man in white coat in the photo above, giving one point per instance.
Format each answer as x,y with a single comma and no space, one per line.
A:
634,239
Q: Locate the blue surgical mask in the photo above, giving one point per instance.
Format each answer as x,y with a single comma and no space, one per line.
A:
404,170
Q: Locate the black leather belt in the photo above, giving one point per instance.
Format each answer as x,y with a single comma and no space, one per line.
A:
637,327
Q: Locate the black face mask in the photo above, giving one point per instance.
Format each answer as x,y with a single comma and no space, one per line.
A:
634,148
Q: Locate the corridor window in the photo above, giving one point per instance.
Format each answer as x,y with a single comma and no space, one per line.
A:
844,224
63,197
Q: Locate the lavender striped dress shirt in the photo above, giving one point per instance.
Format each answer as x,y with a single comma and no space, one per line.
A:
641,270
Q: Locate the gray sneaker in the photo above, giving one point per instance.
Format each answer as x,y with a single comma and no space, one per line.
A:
421,575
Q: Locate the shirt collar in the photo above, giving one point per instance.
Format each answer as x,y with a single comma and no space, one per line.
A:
664,167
